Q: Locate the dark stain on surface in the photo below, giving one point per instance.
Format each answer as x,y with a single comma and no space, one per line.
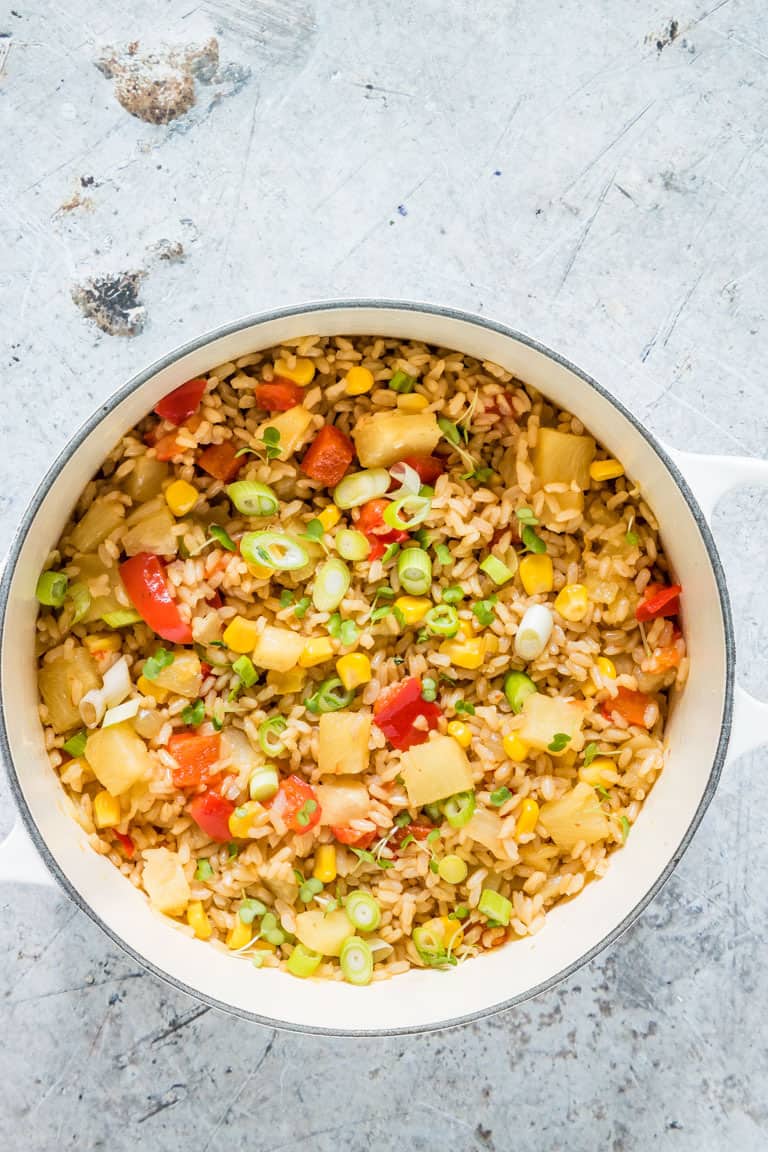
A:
485,1137
668,36
172,251
112,302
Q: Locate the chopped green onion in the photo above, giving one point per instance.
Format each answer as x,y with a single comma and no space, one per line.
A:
526,516
351,544
431,948
434,812
402,382
194,714
484,611
274,550
252,498
344,630
217,533
356,961
154,665
330,696
390,553
250,909
482,475
369,858
452,869
458,809
443,553
533,632
442,620
498,571
244,669
402,819
589,753
626,827
453,594
533,542
302,962
559,742
309,889
314,530
233,694
362,911
121,618
500,796
460,912
217,724
305,813
76,744
232,850
286,598
495,906
414,509
203,871
269,737
632,539
81,599
361,487
428,689
263,783
464,706
51,589
331,585
518,686
449,430
414,569
426,491
300,610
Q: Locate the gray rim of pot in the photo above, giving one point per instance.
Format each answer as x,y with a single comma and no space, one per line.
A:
431,310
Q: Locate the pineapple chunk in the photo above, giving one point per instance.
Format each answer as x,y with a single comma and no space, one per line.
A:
183,676
152,534
164,881
576,816
145,481
435,770
342,800
118,757
292,426
562,458
236,746
101,519
548,716
485,827
343,746
556,505
323,933
278,649
57,678
383,438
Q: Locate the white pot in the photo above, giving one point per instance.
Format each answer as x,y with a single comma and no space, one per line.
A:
698,731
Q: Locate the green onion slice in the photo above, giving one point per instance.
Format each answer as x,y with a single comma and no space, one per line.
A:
194,714
498,571
361,487
217,533
269,736
362,911
442,620
352,545
453,594
302,962
332,581
356,961
76,744
252,498
274,550
414,509
495,906
330,696
449,430
81,600
51,589
517,687
245,671
431,948
121,617
500,796
458,809
414,569
402,382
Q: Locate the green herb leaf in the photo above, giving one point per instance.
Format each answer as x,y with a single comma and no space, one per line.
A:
309,889
428,689
602,792
314,530
194,714
384,592
398,615
433,865
484,611
76,744
443,553
286,598
398,659
246,451
203,871
632,539
369,858
482,475
409,839
533,542
500,796
402,819
460,912
589,754
464,706
433,836
304,814
217,724
250,909
380,613
334,626
300,610
271,436
526,516
626,828
217,533
349,633
449,430
559,742
232,850
154,665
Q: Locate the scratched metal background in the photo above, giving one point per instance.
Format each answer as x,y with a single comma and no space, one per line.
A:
594,173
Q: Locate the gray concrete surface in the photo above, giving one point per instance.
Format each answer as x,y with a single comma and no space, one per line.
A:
593,173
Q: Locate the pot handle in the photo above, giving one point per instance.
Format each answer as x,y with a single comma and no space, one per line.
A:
20,862
709,478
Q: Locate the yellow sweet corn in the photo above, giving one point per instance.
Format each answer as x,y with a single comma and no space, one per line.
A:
302,374
106,810
412,402
572,602
460,732
453,933
466,629
465,653
528,818
325,863
242,820
241,635
514,747
602,772
317,650
149,688
606,470
353,669
287,683
413,608
239,935
536,574
181,497
198,920
358,381
260,571
329,517
99,642
606,667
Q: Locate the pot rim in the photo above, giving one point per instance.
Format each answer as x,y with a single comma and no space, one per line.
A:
254,320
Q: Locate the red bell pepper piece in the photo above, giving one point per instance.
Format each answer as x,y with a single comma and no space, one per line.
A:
211,812
418,831
428,467
148,591
398,707
278,395
179,405
370,522
351,836
221,461
329,455
195,755
297,805
126,843
167,447
660,600
630,705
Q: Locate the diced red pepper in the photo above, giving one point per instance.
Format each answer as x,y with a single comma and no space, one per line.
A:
630,705
428,467
211,812
660,600
126,843
167,447
664,658
278,395
194,755
179,405
205,669
221,461
328,457
148,591
398,707
418,831
351,836
297,805
370,522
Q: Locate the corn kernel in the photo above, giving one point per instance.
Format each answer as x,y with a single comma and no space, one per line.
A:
466,629
606,470
514,747
536,574
353,669
329,517
99,642
106,810
198,920
606,667
325,863
302,374
243,819
241,635
528,818
358,381
287,683
453,933
412,402
413,608
465,653
148,688
572,602
491,643
460,732
601,772
239,935
260,571
317,650
181,497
